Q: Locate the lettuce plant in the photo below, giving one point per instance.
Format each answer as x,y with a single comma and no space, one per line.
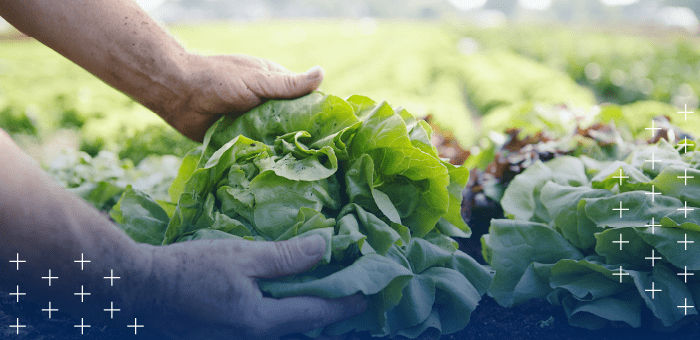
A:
101,180
582,234
362,175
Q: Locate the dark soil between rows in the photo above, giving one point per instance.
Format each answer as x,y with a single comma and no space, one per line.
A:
536,319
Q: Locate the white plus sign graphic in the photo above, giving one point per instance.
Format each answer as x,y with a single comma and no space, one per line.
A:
620,242
685,274
111,310
620,176
49,277
135,326
685,177
82,261
685,144
653,129
50,310
17,293
685,209
653,193
17,326
82,326
111,277
653,257
685,112
685,306
653,225
82,294
653,161
653,290
685,242
620,209
17,261
620,274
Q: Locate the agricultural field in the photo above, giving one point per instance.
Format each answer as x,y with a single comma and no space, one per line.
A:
469,80
463,77
529,124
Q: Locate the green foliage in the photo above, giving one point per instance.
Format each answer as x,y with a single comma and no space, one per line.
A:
362,175
70,118
620,68
365,177
15,122
102,179
142,218
633,119
559,245
60,94
92,146
497,78
508,71
411,63
155,139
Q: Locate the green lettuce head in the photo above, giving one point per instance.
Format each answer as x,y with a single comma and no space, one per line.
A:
362,175
583,233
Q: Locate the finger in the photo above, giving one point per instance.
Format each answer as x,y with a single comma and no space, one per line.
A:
275,259
274,67
305,313
286,85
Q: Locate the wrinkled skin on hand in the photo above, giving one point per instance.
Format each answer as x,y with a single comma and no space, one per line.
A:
232,84
121,44
210,291
203,289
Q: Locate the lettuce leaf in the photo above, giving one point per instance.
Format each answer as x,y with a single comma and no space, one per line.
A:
560,243
361,174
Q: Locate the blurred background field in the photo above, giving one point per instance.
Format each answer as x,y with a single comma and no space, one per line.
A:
477,67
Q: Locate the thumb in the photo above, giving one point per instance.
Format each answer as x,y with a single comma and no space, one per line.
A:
275,259
289,85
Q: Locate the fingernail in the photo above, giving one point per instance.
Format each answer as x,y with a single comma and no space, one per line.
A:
313,245
315,71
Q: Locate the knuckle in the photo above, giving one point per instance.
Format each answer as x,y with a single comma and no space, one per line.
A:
291,82
285,256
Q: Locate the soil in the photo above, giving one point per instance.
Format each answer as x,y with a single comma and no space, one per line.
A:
60,327
535,319
538,319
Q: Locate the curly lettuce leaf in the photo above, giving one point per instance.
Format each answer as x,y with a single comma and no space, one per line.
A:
563,241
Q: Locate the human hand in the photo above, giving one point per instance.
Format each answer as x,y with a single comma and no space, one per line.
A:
207,289
231,84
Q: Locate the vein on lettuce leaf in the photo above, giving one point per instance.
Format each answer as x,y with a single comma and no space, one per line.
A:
361,174
558,244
